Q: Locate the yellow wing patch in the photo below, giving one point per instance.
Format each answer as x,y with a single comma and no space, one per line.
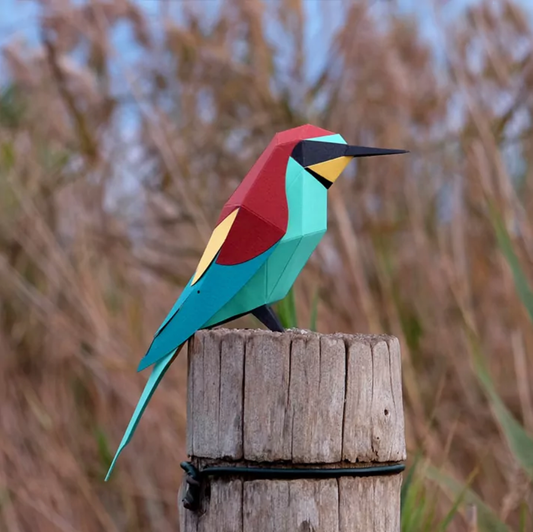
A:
331,169
218,238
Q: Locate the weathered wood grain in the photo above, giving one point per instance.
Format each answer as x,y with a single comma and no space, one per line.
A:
382,409
317,398
215,394
303,394
343,505
373,421
313,506
265,505
398,452
205,375
328,434
286,398
299,398
267,417
357,442
221,511
291,506
230,419
369,504
192,360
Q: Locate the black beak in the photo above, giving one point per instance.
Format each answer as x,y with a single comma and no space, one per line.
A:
310,152
361,151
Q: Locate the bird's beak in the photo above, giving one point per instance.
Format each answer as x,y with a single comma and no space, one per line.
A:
332,168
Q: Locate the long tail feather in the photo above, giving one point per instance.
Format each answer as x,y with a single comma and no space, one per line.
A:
158,372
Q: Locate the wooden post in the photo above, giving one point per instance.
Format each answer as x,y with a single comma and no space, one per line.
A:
295,399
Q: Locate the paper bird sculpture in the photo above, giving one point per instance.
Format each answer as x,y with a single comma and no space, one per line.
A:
264,236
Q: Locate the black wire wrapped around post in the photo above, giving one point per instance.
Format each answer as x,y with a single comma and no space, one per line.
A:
194,476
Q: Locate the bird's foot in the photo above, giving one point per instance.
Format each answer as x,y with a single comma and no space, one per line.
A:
266,315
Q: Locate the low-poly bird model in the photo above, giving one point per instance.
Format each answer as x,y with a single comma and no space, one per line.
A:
264,236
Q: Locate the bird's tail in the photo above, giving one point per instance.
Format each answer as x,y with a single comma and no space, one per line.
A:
159,370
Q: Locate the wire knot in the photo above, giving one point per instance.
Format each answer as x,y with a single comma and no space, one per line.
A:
191,499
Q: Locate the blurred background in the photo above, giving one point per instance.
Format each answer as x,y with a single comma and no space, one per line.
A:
124,127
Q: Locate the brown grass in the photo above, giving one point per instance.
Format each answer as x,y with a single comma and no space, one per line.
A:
112,174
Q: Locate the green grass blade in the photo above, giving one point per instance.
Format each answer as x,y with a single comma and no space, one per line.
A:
104,451
506,247
12,106
523,517
409,480
519,441
286,310
417,502
488,520
314,311
459,499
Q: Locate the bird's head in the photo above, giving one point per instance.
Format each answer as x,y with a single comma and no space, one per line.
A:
327,155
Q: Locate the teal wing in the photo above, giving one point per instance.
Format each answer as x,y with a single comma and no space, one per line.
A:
196,305
203,299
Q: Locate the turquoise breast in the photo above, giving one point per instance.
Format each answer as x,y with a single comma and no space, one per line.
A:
307,202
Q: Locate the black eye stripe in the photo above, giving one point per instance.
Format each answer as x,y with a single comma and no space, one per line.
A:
309,152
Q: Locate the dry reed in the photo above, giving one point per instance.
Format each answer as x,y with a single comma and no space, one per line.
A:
112,173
